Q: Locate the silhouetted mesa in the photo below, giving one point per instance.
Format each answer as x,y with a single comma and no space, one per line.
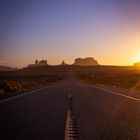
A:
39,63
88,61
63,63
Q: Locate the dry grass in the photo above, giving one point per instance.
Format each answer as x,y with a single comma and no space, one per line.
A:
125,77
27,79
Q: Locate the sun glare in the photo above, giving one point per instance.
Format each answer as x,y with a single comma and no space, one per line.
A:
137,57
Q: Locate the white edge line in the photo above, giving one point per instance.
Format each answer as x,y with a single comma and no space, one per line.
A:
23,94
113,92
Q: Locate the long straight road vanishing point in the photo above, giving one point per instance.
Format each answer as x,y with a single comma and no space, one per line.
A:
42,115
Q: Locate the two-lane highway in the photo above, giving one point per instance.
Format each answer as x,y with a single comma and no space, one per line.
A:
37,116
41,115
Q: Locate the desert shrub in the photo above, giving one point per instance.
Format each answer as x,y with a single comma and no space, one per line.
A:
107,76
2,92
11,87
26,79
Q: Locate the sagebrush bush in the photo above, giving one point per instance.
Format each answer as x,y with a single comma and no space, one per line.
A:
27,79
126,78
12,86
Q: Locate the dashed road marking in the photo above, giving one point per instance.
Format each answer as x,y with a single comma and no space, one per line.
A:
71,129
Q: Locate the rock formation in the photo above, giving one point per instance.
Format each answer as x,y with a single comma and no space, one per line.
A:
63,63
42,62
38,63
88,61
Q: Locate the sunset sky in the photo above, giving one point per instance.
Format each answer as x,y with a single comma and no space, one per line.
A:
56,30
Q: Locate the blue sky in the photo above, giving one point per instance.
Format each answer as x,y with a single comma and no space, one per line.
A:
65,29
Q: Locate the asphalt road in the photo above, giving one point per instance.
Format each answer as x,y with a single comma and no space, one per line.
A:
41,115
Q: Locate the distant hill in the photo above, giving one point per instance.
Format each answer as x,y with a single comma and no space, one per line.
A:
88,61
6,68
